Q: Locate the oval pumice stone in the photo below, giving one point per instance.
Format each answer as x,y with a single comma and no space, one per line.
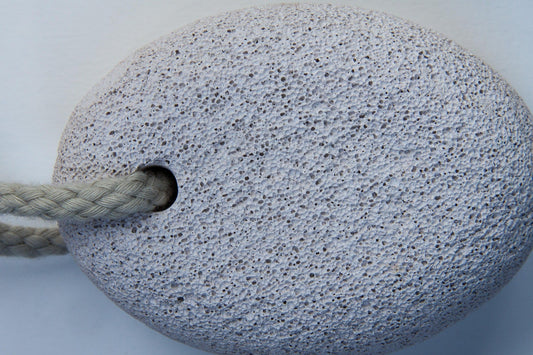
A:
348,182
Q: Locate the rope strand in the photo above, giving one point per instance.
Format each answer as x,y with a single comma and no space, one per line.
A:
30,242
112,198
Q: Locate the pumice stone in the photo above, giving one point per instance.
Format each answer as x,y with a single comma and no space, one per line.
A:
348,182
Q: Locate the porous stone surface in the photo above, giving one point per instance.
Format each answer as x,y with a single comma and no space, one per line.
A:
348,182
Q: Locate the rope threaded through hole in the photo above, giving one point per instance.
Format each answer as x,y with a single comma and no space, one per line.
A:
147,190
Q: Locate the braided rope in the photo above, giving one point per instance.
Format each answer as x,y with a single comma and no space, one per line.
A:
112,198
30,242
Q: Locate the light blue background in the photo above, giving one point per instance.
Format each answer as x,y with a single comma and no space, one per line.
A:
52,52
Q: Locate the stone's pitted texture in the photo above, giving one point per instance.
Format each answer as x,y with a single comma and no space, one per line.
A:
348,182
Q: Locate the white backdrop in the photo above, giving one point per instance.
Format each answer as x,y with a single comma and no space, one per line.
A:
52,52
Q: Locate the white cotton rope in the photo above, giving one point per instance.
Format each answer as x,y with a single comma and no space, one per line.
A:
112,198
30,242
